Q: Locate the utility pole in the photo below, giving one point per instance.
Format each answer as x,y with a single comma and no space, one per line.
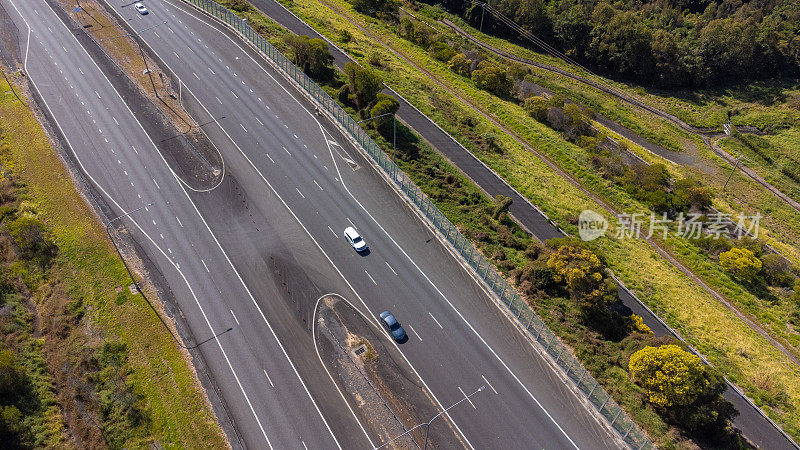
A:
427,424
735,166
483,11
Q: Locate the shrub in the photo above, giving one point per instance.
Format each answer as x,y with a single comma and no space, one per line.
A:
502,203
345,36
741,263
363,84
775,270
686,392
311,55
690,193
492,78
537,107
637,325
461,65
582,273
441,51
384,104
376,8
670,376
33,240
416,32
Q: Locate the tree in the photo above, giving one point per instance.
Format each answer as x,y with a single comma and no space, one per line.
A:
686,392
582,273
363,83
537,107
311,55
492,78
461,65
384,104
740,262
776,270
670,376
376,8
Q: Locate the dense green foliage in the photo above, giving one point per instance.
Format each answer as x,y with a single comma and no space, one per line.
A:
664,43
311,55
363,85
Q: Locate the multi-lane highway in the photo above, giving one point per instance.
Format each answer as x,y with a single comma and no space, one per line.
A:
288,193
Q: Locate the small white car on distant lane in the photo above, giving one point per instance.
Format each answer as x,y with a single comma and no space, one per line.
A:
140,7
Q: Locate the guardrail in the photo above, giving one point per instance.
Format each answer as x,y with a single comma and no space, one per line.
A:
616,418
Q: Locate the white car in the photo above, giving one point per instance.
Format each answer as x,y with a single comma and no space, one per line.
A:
140,7
355,239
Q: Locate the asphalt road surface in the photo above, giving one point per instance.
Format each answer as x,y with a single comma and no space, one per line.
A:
749,421
288,192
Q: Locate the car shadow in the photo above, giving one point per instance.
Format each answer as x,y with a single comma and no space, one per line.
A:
402,341
364,253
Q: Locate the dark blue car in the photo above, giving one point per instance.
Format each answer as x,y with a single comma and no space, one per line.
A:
393,326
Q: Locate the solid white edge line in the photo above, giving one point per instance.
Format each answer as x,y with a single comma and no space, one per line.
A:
188,285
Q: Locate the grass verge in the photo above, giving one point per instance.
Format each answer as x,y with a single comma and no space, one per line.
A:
83,300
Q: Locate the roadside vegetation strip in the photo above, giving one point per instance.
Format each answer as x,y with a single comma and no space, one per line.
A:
544,194
145,389
779,118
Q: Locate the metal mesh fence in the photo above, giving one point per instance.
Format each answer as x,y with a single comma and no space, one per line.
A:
550,343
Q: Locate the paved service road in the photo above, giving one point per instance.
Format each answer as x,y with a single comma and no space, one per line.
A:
276,148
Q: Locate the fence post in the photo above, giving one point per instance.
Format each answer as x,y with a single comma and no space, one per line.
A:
604,402
559,353
629,430
538,333
571,364
581,378
616,417
592,391
551,342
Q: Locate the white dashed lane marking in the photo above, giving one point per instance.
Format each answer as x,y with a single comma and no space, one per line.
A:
434,319
268,379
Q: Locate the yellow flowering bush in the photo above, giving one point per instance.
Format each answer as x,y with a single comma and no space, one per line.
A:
638,325
740,262
671,376
581,272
